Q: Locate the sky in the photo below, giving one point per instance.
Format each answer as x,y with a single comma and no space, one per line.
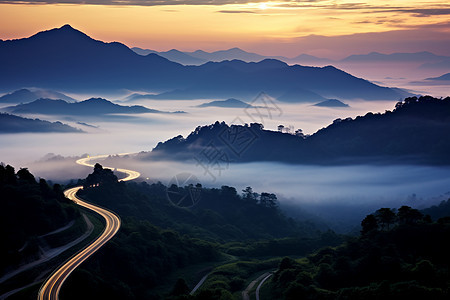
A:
326,28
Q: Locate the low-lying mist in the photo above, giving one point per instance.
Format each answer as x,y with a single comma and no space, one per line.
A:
340,195
336,193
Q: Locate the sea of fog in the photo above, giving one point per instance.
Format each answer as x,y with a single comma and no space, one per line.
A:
322,190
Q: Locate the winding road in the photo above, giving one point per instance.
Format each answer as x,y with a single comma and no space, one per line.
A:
50,289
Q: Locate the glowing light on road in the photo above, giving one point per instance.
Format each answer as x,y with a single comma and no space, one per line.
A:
50,289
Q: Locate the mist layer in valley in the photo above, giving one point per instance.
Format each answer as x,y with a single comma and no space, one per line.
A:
341,195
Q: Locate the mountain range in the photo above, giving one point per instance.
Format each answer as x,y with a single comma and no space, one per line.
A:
199,57
93,106
15,124
67,59
27,95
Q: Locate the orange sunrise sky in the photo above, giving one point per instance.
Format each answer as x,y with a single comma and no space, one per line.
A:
324,28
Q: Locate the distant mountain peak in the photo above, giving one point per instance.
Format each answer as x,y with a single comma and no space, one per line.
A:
65,32
235,49
67,27
331,103
229,103
200,51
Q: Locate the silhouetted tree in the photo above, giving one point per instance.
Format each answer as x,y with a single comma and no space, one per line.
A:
249,195
385,217
408,215
24,175
369,224
7,174
268,200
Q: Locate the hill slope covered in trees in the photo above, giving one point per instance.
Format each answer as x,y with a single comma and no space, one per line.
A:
416,131
28,209
15,124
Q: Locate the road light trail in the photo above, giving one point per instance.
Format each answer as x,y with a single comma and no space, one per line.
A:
50,289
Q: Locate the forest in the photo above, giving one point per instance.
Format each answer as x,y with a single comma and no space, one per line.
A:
415,131
29,209
165,245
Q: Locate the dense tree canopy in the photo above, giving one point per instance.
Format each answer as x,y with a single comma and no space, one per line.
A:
28,209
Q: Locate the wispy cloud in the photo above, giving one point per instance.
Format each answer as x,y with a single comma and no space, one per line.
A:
413,8
236,11
427,12
130,2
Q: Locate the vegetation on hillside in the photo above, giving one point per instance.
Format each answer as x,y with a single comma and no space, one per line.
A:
28,209
158,237
400,255
414,132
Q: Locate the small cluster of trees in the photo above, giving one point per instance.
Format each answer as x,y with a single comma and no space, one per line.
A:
421,99
264,199
290,130
385,217
100,176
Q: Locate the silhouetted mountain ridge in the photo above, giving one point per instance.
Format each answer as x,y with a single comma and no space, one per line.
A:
92,106
15,124
26,95
416,131
230,103
199,57
442,77
331,103
67,59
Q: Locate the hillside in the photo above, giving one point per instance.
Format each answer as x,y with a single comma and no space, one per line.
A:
229,103
173,55
414,132
93,106
15,124
407,261
162,232
29,209
65,58
26,95
331,103
400,254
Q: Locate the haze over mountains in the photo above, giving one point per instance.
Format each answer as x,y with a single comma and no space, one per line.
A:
443,78
93,106
229,103
331,103
67,59
15,124
27,95
424,59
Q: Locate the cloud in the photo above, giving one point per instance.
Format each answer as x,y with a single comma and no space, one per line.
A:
429,12
443,9
283,4
409,38
131,2
236,11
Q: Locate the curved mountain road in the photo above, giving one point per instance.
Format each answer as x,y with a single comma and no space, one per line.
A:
50,289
